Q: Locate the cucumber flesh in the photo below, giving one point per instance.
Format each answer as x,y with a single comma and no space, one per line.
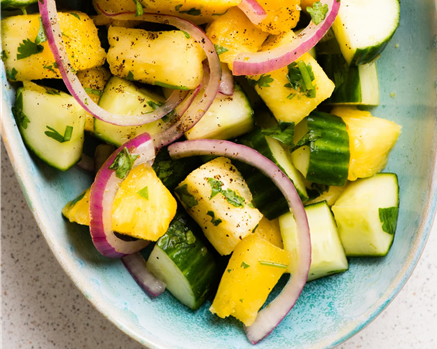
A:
55,137
327,254
366,215
363,28
183,262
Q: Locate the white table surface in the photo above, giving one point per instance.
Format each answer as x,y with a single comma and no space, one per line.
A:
42,309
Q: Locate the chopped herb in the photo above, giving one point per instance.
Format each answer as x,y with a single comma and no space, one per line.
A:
263,81
215,222
220,14
177,7
11,74
186,197
52,133
216,187
17,110
63,34
144,192
254,229
229,270
186,34
4,55
41,36
28,48
76,200
273,264
130,76
300,77
244,265
388,217
75,15
241,300
154,105
93,91
251,205
173,87
231,196
51,67
192,12
283,132
317,12
308,138
164,169
220,49
139,11
53,92
291,95
123,163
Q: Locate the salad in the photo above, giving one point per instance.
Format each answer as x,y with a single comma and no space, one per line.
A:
280,169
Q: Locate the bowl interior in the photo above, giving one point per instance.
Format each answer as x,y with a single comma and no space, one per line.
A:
330,310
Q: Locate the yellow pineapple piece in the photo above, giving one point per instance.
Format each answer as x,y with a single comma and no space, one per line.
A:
234,33
139,212
269,230
285,103
219,200
167,59
370,139
282,16
94,81
253,270
330,196
79,35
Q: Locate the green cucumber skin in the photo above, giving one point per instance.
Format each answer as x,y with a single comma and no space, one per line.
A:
193,259
329,155
369,54
16,4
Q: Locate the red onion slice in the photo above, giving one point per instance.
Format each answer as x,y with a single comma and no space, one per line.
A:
86,163
272,315
136,265
102,197
227,82
266,61
253,10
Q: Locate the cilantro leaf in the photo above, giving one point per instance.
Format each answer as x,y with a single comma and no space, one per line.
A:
388,217
308,138
93,91
17,110
28,48
154,105
230,195
4,55
318,12
214,221
130,76
216,187
192,12
123,163
263,81
51,67
139,11
186,34
75,15
185,196
144,192
220,49
244,265
41,36
12,74
300,77
273,264
177,7
283,132
52,133
53,92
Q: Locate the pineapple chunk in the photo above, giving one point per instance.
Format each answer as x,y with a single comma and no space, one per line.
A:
269,230
282,16
371,140
144,216
218,199
285,103
167,59
94,81
234,33
80,38
253,270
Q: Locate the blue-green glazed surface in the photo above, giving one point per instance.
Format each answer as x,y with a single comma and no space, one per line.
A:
330,310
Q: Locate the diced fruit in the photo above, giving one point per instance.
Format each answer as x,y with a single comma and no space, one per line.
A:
168,59
218,199
282,16
183,262
269,230
123,97
366,215
234,33
78,209
94,81
51,123
371,140
287,103
79,35
253,270
327,254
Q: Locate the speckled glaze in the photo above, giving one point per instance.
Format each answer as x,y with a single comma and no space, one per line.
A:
330,310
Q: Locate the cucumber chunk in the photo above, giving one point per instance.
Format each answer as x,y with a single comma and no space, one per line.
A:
323,153
363,28
51,123
125,98
183,262
16,4
327,254
366,215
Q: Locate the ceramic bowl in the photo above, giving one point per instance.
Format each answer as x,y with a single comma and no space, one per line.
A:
330,310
